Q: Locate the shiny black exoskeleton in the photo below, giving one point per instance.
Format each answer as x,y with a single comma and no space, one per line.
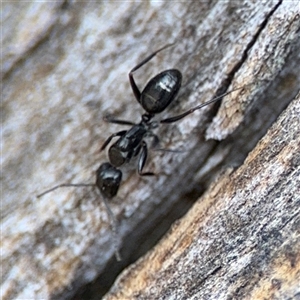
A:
156,96
158,93
108,179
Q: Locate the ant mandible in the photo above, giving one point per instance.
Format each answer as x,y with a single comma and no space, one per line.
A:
157,95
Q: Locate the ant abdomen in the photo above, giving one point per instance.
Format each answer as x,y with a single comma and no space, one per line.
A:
160,91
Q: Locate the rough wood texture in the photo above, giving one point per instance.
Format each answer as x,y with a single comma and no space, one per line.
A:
241,240
65,65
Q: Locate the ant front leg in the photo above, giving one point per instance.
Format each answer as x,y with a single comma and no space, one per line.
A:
120,133
142,160
133,85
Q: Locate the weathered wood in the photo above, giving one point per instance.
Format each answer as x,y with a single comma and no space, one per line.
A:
241,239
65,66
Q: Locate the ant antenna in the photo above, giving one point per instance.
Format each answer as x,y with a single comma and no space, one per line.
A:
112,219
64,185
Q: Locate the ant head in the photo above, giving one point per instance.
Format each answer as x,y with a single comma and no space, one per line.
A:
108,179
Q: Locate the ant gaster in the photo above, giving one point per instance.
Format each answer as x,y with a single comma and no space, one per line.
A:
159,92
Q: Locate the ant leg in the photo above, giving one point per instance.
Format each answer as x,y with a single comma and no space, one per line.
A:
190,111
120,133
142,160
111,119
137,151
133,85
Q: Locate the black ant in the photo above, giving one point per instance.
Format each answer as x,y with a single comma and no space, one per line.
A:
159,92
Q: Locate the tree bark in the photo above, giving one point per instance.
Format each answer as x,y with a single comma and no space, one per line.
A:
65,66
241,239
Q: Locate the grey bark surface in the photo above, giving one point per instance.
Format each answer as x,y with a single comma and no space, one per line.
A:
241,239
65,66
